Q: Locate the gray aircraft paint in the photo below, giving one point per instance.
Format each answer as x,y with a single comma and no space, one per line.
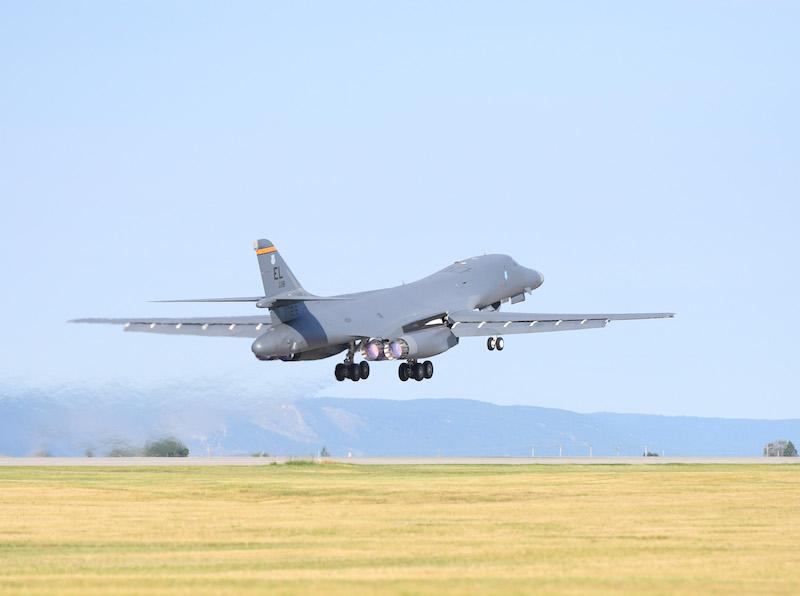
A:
457,301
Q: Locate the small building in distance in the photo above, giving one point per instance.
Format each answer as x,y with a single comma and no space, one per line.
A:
780,449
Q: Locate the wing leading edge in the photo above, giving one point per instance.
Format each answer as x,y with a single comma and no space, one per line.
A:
473,324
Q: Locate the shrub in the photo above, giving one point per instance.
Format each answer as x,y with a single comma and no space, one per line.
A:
166,447
123,449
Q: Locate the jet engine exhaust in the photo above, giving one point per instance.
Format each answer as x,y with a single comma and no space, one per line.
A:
373,350
420,344
396,349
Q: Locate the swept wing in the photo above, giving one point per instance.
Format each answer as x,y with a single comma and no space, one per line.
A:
472,323
248,326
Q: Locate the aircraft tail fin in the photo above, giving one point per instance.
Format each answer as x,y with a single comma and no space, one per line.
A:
276,276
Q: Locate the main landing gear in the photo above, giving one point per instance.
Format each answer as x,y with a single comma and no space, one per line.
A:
351,370
495,343
355,371
415,370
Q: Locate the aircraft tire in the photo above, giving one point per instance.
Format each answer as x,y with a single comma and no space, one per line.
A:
490,344
340,372
354,372
363,369
417,371
499,344
403,371
427,368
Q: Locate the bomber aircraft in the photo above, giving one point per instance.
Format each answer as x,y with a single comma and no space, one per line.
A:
407,323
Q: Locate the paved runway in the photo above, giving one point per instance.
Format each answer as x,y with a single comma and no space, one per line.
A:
261,461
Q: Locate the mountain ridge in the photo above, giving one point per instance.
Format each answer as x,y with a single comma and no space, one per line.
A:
223,422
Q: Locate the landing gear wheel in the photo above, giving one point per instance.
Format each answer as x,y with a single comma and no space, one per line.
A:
498,343
340,372
490,344
403,371
427,369
417,371
363,369
354,372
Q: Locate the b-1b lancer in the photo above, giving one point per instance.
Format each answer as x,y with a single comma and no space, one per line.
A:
406,323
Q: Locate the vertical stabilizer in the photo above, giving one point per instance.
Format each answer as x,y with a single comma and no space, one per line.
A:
275,273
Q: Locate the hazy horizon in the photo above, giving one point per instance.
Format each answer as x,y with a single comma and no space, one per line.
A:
213,420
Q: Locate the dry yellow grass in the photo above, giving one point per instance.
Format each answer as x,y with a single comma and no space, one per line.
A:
341,529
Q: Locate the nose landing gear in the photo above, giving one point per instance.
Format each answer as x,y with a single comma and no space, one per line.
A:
495,343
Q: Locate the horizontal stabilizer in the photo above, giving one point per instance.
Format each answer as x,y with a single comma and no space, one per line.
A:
263,301
240,299
294,297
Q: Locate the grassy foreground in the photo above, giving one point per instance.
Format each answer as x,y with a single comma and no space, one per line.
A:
338,528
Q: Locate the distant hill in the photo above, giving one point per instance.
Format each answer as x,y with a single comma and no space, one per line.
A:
70,423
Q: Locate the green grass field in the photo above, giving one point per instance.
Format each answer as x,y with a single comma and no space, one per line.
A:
339,528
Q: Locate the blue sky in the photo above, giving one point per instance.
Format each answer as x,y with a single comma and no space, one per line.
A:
643,156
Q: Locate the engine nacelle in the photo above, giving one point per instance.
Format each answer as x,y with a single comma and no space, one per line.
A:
279,341
317,354
420,344
283,340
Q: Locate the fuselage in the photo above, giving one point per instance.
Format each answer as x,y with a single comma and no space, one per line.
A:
318,329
